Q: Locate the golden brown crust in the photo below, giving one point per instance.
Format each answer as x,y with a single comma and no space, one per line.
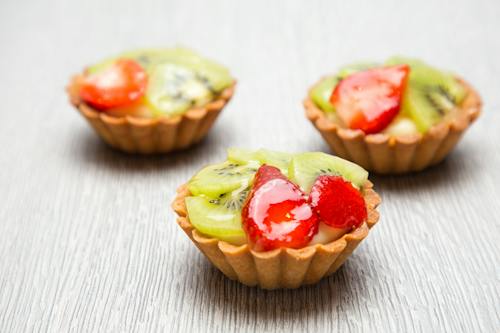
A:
151,135
386,154
281,268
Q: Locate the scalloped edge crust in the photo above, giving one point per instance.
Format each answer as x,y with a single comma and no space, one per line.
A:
384,154
151,135
280,268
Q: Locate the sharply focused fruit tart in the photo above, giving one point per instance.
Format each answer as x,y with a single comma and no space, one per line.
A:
399,116
277,220
154,100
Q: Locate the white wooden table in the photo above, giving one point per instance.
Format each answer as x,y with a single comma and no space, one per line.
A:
88,241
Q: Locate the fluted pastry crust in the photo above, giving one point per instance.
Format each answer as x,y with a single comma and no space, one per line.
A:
280,268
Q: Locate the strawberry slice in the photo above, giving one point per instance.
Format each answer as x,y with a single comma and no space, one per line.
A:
370,99
337,202
277,213
118,85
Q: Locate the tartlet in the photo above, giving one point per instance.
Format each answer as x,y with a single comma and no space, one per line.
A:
155,131
281,267
386,153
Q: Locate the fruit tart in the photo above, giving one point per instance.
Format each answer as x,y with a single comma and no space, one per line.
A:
277,220
152,101
396,117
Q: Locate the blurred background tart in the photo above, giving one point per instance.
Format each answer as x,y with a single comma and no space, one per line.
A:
152,100
395,117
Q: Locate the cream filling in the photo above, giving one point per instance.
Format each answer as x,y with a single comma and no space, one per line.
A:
327,234
401,126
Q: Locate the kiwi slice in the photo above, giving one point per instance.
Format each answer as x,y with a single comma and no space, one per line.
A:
173,89
219,218
262,156
423,74
275,158
430,93
353,68
215,180
306,167
216,77
241,155
147,58
321,93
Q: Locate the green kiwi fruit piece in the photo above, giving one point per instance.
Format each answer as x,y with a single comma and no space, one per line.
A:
215,180
147,58
262,156
347,70
275,158
320,93
306,167
215,76
219,218
242,155
173,89
430,93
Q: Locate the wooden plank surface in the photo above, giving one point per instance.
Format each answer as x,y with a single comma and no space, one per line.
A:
87,238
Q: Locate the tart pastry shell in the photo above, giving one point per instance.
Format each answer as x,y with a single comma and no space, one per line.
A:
384,154
151,135
280,268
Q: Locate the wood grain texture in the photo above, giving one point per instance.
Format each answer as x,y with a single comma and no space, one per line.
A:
87,238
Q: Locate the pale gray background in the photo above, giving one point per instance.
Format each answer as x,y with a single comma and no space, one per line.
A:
88,241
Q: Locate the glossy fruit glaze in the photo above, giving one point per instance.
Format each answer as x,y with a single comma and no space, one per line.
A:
337,202
369,100
277,213
122,83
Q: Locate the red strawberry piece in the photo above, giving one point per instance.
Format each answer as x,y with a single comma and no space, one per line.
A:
337,202
121,84
369,100
277,213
